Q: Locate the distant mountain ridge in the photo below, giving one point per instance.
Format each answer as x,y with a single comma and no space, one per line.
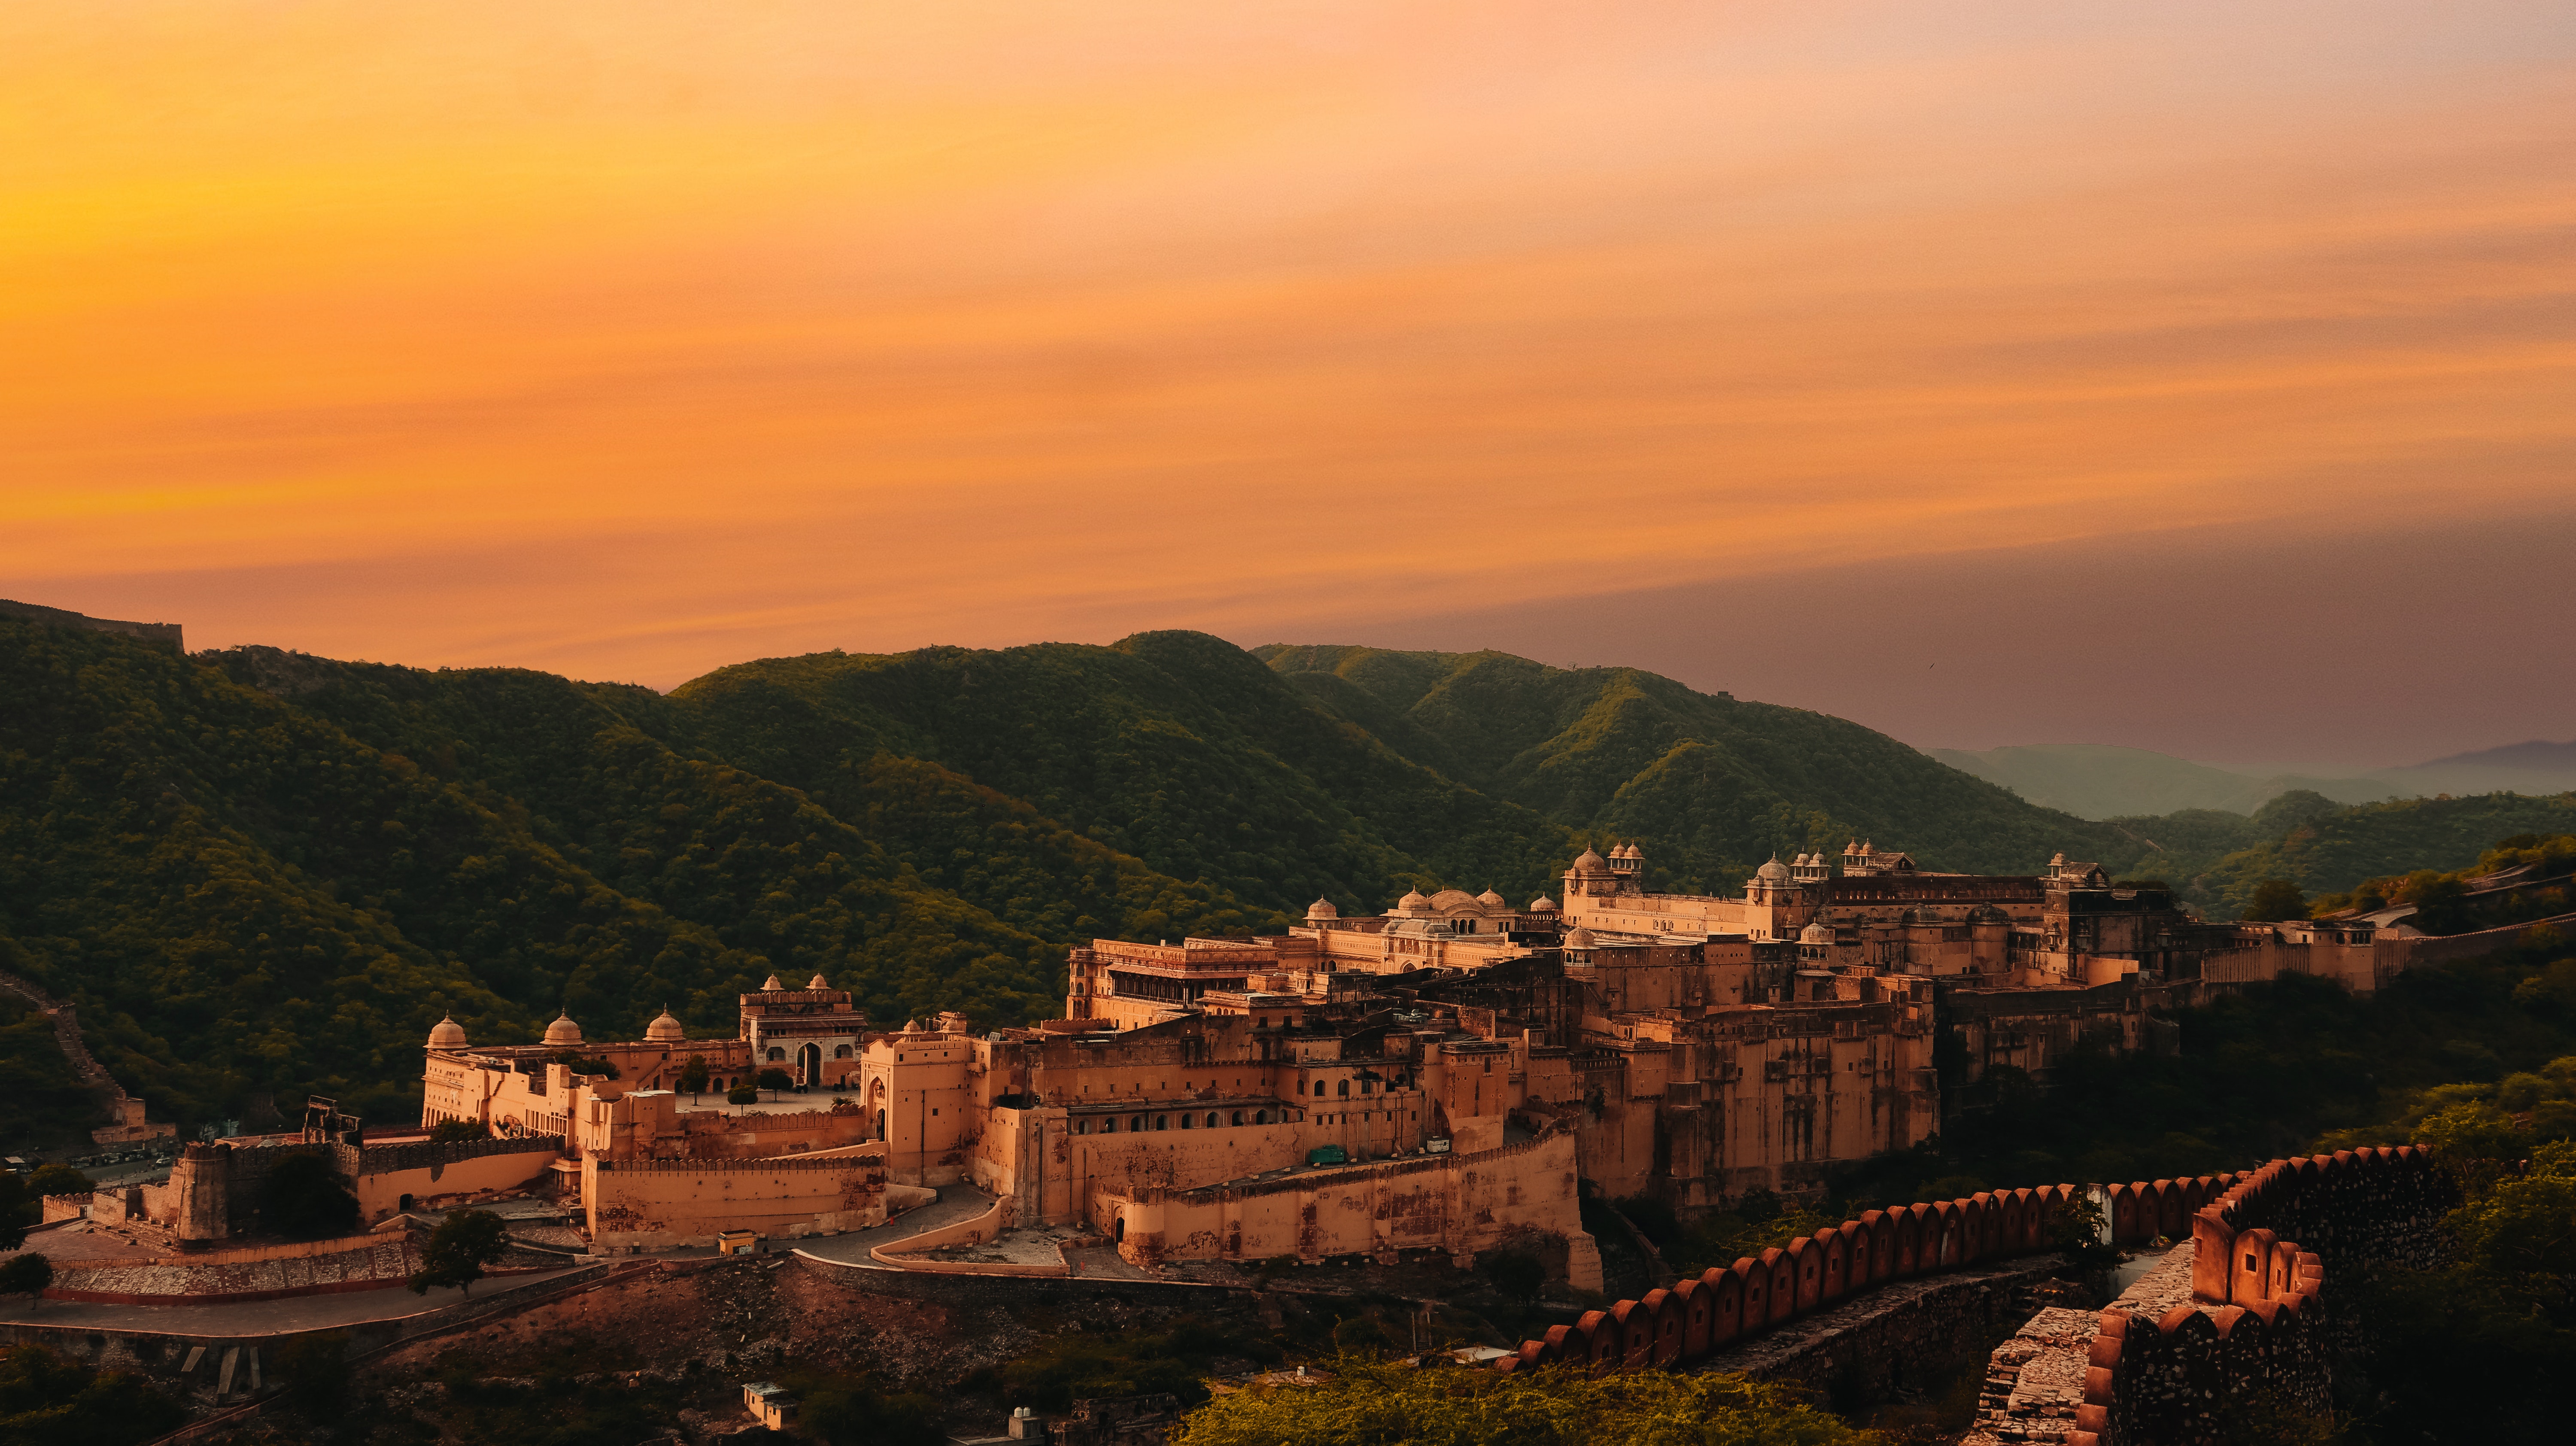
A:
2101,781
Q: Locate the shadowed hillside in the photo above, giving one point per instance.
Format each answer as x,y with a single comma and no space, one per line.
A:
262,872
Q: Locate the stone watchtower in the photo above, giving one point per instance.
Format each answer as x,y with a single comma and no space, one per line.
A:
200,1191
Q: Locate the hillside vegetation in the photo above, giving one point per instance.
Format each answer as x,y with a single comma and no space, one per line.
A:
259,872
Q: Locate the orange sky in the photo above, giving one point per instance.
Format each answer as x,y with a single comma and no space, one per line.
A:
628,340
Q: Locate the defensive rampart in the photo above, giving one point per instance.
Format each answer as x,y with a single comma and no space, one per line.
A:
654,1204
2245,1310
1727,1306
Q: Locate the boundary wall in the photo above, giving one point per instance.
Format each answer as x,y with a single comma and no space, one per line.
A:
2162,1366
1727,1305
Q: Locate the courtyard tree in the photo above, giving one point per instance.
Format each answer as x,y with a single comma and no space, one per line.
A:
774,1080
59,1179
464,1243
26,1275
693,1075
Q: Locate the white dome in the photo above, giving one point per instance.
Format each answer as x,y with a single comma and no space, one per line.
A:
1578,937
1412,902
1491,900
1322,909
563,1031
816,983
447,1034
772,986
1587,862
1542,905
1815,934
665,1030
1775,871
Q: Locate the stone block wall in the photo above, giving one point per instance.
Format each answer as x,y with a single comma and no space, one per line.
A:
1724,1306
2243,1310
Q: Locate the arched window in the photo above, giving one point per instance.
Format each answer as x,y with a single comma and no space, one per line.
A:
1212,1120
1346,1089
1188,1122
1238,1117
1082,1127
1162,1122
841,1052
1319,1089
776,1053
1136,1125
1261,1117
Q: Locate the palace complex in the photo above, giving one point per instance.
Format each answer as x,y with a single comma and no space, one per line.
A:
1452,1075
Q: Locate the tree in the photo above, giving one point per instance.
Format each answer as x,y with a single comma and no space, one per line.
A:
308,1199
457,1251
1363,1403
2276,899
774,1080
742,1095
26,1275
449,1132
59,1179
693,1075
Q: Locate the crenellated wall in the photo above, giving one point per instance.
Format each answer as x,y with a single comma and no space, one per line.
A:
1699,1318
2247,1309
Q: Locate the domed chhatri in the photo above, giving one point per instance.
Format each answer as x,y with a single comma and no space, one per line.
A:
772,986
1588,862
1490,899
447,1034
1542,905
817,982
1578,937
665,1030
563,1031
1323,909
1775,871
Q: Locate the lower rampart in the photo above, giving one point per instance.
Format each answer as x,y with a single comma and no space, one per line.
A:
1725,1309
2243,1315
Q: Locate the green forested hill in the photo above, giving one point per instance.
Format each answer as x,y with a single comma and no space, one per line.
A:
261,872
1713,785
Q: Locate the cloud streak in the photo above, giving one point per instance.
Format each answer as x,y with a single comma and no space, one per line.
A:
1009,322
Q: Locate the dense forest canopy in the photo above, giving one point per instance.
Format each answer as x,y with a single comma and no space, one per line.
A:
259,872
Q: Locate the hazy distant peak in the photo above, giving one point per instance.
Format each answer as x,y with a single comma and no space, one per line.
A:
2535,754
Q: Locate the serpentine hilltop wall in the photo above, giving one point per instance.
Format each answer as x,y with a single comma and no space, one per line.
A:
2246,1309
2238,1311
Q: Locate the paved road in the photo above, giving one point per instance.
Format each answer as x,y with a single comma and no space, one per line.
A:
261,1317
955,1203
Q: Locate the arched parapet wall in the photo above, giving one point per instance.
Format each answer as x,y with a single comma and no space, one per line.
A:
2298,1219
2244,1308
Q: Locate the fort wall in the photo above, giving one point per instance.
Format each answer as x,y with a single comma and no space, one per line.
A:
1522,1193
1726,1307
2245,1309
658,1204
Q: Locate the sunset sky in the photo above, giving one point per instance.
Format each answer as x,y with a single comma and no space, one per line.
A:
2199,377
